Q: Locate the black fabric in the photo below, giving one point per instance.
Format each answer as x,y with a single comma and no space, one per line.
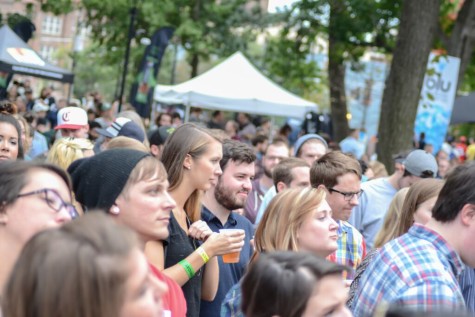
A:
179,247
99,180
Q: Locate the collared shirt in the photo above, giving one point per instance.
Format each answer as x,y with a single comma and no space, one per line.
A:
419,270
229,274
351,247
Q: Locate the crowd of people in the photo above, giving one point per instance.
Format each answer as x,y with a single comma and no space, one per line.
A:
105,214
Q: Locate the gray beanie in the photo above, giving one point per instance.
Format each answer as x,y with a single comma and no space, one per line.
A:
99,180
300,141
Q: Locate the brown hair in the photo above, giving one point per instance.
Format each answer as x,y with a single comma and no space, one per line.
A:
326,170
15,176
418,193
121,142
283,172
284,216
378,168
85,263
389,228
188,139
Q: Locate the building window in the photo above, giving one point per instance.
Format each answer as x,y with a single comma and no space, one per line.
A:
52,25
48,53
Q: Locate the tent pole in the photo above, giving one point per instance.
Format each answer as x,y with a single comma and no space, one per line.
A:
187,114
271,135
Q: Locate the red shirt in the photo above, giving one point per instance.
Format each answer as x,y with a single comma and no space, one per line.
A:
173,300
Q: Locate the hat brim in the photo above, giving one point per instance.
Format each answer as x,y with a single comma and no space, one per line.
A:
104,132
68,126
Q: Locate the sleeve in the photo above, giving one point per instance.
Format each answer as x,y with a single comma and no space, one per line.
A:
231,306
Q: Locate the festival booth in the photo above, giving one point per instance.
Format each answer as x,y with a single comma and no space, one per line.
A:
235,85
17,57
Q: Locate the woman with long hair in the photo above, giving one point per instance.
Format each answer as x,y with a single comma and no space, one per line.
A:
297,219
191,157
11,144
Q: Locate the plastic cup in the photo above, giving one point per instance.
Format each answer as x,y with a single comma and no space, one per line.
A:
231,257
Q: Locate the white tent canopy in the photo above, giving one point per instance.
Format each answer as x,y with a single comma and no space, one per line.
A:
235,85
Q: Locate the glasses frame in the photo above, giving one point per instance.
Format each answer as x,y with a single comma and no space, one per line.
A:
73,213
348,196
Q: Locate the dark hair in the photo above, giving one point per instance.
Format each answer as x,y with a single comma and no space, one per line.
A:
283,171
281,283
260,138
159,117
236,151
363,165
332,165
424,174
10,119
216,113
15,176
85,263
456,193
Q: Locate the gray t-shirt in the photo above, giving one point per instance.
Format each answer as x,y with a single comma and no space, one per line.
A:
368,216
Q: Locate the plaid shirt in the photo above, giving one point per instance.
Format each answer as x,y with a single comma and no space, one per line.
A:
351,248
419,270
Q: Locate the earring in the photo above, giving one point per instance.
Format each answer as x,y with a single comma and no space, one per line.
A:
188,167
115,210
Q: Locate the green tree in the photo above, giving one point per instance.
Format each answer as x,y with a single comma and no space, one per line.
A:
203,27
415,40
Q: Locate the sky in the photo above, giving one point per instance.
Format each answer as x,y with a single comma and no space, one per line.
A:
274,4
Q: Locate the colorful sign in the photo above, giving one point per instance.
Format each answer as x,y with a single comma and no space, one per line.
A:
437,99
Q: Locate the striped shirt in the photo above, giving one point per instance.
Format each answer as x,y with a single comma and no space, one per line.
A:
351,248
419,270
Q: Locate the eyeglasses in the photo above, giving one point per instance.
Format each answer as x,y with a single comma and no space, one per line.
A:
54,200
347,195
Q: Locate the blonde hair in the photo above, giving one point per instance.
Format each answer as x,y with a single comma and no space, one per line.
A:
285,214
121,142
389,228
67,150
378,168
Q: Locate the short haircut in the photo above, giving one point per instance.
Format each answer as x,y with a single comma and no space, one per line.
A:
283,171
456,193
236,151
281,283
260,138
326,170
277,142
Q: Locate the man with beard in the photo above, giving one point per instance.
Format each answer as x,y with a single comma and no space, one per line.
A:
275,152
230,193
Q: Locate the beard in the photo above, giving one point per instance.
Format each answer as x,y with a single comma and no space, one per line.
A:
267,171
227,198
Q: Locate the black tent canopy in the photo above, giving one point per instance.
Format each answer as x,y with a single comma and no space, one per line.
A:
19,58
464,110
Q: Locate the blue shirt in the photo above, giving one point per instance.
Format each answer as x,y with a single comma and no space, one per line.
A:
418,270
229,274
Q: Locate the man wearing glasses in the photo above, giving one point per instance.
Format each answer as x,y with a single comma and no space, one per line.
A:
340,176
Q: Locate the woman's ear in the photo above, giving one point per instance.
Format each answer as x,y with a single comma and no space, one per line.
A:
187,162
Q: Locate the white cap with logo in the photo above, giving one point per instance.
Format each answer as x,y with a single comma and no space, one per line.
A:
71,118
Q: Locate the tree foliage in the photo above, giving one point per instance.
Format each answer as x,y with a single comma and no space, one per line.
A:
204,28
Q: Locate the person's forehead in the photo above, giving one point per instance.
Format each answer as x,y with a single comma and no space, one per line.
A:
277,149
233,167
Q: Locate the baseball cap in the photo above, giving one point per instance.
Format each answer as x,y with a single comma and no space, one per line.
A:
123,127
300,141
160,135
420,161
71,118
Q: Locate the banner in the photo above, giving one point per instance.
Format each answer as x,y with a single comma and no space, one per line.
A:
437,99
142,90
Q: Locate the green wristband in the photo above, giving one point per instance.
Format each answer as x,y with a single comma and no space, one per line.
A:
188,268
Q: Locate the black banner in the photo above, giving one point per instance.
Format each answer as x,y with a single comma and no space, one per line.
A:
141,95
